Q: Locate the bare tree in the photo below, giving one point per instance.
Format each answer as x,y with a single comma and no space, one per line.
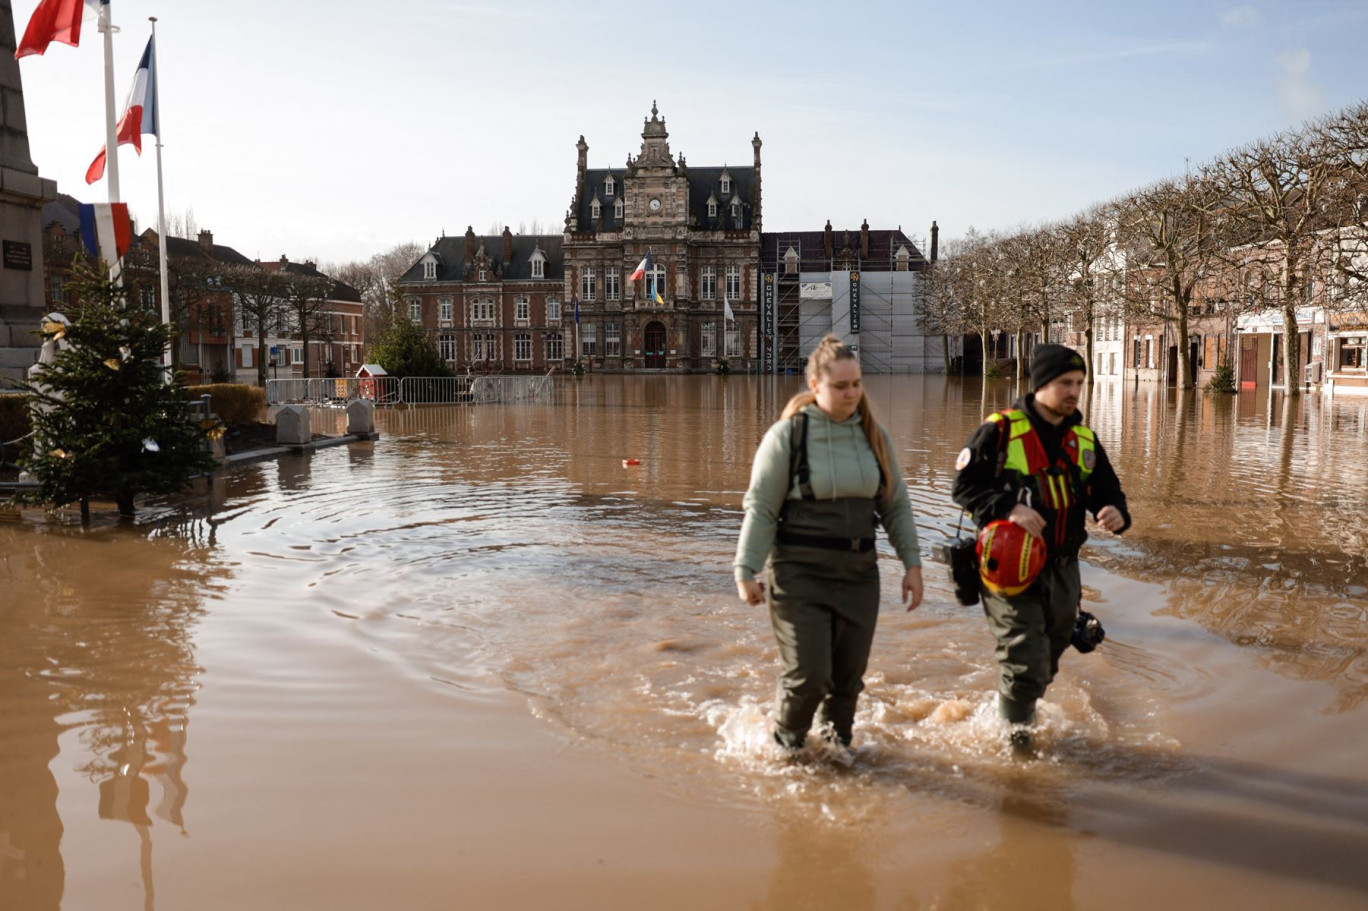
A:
1085,244
182,224
259,297
1277,191
1174,233
1343,140
306,309
968,290
375,278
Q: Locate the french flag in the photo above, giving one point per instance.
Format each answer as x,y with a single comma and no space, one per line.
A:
140,111
642,268
105,230
55,20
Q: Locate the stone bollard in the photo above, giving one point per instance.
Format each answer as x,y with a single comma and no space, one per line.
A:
292,425
361,416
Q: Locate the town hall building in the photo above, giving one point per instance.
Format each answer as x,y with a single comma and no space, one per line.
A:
528,303
701,230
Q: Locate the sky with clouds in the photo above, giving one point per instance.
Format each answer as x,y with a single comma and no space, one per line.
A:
333,130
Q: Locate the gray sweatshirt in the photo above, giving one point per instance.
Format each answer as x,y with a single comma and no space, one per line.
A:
842,465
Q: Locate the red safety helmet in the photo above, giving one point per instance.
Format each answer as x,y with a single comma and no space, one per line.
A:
1010,557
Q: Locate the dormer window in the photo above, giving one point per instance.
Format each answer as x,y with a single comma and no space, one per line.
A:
712,206
617,209
903,258
726,183
595,209
736,212
608,186
429,268
538,261
791,261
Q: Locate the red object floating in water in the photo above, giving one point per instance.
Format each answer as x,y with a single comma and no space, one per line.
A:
628,463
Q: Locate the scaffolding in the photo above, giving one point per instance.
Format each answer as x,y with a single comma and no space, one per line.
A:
889,337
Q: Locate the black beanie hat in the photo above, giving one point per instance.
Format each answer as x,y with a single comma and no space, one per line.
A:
1049,361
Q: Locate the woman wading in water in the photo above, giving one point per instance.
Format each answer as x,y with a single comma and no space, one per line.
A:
823,477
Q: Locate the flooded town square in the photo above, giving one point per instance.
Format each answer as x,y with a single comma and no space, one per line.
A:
481,663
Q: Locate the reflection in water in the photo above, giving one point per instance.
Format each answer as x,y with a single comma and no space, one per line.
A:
509,549
1253,516
826,868
1031,866
95,639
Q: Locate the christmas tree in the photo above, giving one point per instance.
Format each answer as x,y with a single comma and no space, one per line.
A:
106,421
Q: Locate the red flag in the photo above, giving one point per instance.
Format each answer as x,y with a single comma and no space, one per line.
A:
53,20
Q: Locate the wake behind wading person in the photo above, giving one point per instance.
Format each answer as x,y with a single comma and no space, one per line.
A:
1035,472
823,478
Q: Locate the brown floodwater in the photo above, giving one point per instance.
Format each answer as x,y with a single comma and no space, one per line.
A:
481,664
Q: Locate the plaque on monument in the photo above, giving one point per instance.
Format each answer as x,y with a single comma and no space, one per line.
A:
18,255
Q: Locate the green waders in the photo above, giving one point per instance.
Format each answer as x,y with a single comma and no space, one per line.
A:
1033,629
824,604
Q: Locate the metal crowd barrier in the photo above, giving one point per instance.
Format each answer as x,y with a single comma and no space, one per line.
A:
411,390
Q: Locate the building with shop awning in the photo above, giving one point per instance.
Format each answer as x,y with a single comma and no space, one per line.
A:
1347,349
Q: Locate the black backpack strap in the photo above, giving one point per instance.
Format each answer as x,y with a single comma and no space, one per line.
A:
798,460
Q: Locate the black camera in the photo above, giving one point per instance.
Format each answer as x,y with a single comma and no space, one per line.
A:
960,556
1087,633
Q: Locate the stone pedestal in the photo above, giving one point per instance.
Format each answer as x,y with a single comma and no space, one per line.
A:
22,194
361,417
292,425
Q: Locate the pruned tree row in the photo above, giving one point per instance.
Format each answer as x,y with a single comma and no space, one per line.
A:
1275,225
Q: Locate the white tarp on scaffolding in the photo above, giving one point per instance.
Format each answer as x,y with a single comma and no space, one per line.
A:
890,341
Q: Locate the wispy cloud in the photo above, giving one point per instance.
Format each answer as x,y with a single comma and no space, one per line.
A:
1172,48
1241,17
1299,96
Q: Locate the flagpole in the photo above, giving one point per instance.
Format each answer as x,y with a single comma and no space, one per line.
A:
161,209
111,130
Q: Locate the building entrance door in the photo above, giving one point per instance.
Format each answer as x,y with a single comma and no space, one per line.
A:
1249,362
653,345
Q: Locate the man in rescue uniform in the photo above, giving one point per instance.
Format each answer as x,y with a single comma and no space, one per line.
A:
1038,467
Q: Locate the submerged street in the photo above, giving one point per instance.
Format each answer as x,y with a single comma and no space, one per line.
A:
480,663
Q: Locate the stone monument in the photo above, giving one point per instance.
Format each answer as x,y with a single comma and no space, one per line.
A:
22,194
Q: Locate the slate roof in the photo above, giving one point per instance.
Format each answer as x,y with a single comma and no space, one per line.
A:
63,211
703,182
883,245
341,291
452,265
593,187
181,248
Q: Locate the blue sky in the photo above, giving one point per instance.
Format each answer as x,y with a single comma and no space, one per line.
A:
335,130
